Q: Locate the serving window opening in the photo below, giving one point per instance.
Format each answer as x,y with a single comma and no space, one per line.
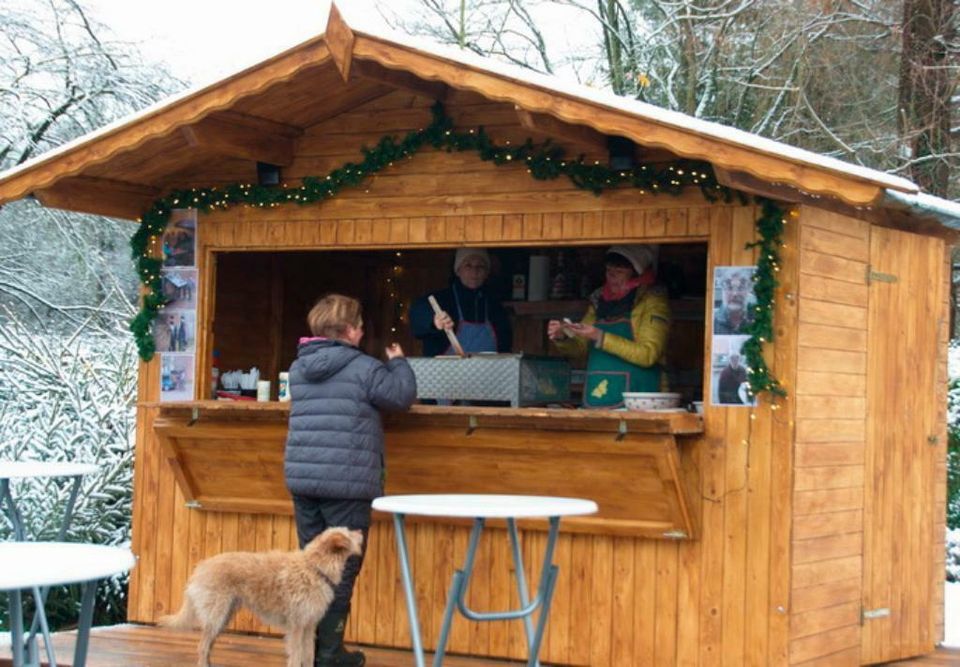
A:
261,301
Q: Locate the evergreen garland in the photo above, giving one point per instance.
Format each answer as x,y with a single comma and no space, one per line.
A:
544,162
770,230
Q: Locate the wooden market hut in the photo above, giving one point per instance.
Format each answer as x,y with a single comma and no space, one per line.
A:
805,530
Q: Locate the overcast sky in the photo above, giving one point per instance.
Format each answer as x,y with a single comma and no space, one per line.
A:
203,39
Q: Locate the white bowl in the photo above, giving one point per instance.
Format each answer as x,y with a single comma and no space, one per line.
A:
698,407
650,400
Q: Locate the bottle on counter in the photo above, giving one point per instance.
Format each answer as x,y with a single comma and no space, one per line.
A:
283,386
560,286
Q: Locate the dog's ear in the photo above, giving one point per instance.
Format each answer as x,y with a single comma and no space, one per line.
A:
339,541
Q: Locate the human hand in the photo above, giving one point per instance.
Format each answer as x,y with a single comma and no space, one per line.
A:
555,330
394,351
442,321
587,331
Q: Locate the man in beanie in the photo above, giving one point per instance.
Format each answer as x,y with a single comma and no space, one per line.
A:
624,332
467,308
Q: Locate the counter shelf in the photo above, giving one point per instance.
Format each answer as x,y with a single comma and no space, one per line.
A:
638,466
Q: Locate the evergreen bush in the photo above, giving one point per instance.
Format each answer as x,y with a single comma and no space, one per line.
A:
70,397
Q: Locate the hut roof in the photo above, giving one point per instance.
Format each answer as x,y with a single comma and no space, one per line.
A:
257,114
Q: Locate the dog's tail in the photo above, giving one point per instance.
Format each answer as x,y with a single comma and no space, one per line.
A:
185,619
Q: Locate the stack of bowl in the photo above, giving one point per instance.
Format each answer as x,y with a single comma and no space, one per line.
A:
651,400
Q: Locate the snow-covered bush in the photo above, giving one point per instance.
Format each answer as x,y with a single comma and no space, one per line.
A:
953,555
953,437
71,398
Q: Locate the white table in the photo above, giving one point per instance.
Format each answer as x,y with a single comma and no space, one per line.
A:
24,470
32,565
480,508
10,470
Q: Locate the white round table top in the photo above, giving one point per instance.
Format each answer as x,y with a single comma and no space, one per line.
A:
484,505
28,564
28,469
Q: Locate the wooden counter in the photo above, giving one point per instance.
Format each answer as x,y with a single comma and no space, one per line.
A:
637,466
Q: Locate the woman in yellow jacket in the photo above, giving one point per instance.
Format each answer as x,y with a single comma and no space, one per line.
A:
624,331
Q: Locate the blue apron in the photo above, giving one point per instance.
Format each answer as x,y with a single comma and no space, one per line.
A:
474,336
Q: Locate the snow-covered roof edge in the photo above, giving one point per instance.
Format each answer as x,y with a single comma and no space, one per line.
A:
361,24
944,211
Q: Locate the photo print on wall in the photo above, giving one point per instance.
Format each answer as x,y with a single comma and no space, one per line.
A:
733,309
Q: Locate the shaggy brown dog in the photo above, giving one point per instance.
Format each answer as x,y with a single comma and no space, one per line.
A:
289,589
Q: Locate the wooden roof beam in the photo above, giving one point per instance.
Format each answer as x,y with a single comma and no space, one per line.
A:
552,127
372,71
100,196
750,184
247,137
873,214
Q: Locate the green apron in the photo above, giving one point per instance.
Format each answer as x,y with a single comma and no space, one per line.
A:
608,376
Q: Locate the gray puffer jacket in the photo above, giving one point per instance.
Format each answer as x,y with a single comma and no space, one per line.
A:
335,440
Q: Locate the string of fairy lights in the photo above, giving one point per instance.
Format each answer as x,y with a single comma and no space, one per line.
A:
545,161
395,290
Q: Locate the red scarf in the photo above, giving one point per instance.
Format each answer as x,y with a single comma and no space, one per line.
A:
612,294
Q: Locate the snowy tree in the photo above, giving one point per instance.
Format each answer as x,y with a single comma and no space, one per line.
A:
927,84
60,77
827,76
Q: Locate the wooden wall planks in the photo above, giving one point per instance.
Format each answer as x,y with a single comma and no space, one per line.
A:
830,413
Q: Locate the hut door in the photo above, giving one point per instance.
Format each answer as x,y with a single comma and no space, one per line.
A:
899,514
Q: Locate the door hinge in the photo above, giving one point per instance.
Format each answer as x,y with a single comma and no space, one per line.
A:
869,614
877,276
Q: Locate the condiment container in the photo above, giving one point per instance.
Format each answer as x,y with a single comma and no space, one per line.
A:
283,387
263,390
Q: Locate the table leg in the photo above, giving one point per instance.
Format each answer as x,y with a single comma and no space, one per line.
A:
548,578
61,533
86,620
68,513
13,512
521,577
458,587
399,526
40,616
16,626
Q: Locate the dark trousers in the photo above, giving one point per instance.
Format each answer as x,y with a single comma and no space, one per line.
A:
315,515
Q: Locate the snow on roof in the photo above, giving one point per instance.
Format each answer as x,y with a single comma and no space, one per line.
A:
944,211
361,24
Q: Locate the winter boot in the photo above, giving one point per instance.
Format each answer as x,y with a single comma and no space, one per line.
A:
329,646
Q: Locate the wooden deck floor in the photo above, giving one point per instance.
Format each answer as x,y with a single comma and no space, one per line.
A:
148,646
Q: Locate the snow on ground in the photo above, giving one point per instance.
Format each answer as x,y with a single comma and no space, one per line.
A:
951,631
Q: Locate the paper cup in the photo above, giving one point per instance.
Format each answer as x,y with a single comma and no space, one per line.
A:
263,390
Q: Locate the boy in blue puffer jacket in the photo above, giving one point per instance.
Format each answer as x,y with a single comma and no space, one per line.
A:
333,462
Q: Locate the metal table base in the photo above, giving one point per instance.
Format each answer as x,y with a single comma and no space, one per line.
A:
461,581
39,594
